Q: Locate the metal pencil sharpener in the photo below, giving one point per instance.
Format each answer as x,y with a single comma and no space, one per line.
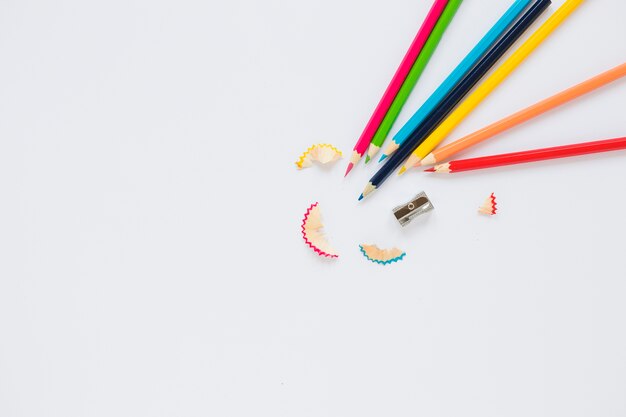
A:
418,205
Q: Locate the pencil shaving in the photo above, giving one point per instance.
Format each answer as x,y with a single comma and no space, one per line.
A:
322,153
381,256
489,207
313,232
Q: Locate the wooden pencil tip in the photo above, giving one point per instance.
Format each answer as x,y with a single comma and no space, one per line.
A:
368,189
367,158
382,158
429,159
429,170
350,166
402,171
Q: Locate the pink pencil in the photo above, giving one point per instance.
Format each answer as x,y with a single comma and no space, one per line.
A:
396,82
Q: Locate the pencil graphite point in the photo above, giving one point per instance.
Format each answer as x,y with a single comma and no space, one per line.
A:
348,169
367,158
368,189
382,158
354,158
371,152
402,170
431,169
412,162
391,148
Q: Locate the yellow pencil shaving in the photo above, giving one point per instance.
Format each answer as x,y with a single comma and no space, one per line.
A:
322,153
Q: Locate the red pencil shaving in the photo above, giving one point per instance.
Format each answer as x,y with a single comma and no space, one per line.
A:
313,233
490,206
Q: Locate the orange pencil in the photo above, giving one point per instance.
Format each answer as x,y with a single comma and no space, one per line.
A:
525,114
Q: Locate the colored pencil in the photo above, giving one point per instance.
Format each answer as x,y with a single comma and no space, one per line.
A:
492,82
411,79
526,114
456,76
530,156
456,95
396,82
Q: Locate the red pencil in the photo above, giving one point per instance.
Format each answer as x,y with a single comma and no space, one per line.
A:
530,156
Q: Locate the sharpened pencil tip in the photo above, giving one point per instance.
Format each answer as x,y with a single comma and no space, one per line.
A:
402,171
382,158
369,188
429,170
350,165
367,158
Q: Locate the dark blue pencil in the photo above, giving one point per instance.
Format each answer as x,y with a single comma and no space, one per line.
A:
433,120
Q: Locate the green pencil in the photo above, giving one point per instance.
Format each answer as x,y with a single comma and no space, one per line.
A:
413,77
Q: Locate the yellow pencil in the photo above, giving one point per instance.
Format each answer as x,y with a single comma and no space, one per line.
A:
491,83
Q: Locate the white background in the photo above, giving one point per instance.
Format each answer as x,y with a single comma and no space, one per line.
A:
150,256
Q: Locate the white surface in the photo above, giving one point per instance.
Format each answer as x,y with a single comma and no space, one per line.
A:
151,258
